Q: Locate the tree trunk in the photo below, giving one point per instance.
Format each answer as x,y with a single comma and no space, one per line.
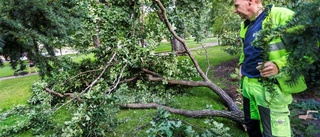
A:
142,29
96,41
96,38
60,51
177,46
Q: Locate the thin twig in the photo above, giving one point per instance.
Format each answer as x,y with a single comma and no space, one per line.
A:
118,80
88,71
207,58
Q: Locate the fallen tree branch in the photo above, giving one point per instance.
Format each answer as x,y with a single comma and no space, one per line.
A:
152,76
179,82
236,116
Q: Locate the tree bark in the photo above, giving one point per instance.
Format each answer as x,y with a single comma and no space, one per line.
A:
177,46
233,115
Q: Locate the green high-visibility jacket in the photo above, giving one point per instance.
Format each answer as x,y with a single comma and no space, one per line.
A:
277,16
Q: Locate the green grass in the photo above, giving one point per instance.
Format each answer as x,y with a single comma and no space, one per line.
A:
15,91
6,70
133,119
166,46
215,56
78,58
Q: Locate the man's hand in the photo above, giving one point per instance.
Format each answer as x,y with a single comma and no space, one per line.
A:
268,70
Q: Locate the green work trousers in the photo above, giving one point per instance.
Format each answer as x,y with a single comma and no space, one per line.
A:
266,112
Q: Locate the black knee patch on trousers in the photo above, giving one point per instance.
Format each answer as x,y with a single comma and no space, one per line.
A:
266,121
253,125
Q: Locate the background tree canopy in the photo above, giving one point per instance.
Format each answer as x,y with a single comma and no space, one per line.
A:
125,71
25,25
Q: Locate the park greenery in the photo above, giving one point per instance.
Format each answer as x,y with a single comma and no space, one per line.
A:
85,97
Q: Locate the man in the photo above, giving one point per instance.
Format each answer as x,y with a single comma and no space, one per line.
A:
266,115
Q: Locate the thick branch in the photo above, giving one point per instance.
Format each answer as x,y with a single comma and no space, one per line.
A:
233,115
179,82
152,76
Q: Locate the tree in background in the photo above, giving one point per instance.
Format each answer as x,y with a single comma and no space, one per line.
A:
36,27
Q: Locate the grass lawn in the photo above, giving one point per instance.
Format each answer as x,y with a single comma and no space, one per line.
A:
6,70
194,99
15,91
166,46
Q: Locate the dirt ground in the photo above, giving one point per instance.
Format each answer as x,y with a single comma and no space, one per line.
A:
300,127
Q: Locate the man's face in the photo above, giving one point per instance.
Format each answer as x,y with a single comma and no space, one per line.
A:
242,8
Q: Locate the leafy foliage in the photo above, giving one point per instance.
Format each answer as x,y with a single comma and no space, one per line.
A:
226,26
162,125
301,37
27,24
93,89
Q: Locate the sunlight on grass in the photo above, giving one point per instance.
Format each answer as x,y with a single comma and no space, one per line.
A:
78,58
133,119
215,56
17,93
197,99
166,46
6,71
